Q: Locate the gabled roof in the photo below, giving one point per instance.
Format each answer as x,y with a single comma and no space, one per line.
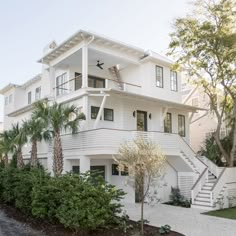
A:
82,35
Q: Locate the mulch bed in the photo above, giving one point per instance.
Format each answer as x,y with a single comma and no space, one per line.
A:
56,229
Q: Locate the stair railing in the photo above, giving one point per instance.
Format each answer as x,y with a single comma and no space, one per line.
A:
199,184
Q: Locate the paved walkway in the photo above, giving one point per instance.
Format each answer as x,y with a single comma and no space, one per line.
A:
187,221
11,227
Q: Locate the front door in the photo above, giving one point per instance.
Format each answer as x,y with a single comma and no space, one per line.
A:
101,170
141,120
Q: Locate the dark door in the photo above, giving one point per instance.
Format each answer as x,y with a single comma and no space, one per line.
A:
101,169
141,120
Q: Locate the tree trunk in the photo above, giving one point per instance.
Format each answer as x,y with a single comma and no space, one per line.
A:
19,159
142,205
5,160
233,150
57,155
34,150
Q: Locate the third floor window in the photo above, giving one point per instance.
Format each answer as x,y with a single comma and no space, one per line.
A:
61,84
37,93
173,81
159,76
29,97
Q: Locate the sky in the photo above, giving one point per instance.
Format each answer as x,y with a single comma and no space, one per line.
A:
27,26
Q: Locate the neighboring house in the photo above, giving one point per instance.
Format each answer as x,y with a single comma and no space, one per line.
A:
204,122
124,92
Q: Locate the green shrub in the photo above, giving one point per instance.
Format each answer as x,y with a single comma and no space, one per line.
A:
165,229
177,199
89,203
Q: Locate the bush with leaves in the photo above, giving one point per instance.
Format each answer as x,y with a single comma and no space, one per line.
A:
177,199
89,203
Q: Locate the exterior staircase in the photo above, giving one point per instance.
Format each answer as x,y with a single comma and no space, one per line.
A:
189,162
204,196
114,71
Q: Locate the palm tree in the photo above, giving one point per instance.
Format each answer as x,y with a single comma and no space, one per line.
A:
58,117
5,145
35,130
19,139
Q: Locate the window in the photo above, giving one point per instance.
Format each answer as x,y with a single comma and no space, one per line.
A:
61,85
76,169
108,114
78,81
94,112
181,125
10,98
168,123
159,76
114,169
37,93
195,102
29,97
6,100
173,80
95,82
125,172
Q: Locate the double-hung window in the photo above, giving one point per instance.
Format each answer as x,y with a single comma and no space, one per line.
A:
94,112
61,85
108,114
173,81
37,93
168,123
159,76
181,125
10,98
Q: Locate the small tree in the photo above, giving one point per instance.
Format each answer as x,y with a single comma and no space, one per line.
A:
145,162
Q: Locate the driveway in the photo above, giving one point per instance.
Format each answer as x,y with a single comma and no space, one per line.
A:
187,221
11,227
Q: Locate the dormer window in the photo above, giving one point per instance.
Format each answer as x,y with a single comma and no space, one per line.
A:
159,76
173,81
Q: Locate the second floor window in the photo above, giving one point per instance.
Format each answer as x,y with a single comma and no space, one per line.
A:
10,98
173,81
6,101
37,93
61,85
94,112
168,123
159,76
181,125
108,114
95,82
29,98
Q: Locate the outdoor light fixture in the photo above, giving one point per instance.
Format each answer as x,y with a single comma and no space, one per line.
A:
150,116
134,114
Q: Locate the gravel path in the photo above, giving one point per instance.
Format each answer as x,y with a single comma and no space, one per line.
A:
11,227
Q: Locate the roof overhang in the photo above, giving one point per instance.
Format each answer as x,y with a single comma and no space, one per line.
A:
165,103
31,81
81,36
7,88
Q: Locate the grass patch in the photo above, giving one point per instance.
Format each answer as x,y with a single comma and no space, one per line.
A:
229,213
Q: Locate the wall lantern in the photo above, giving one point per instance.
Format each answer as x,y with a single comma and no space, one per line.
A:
134,113
150,116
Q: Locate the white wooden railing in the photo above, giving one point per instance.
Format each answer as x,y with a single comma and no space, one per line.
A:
213,168
228,175
217,187
199,184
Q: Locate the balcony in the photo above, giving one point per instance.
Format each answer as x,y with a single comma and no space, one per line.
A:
107,141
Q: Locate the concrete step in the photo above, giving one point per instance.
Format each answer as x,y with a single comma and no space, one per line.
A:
202,199
205,191
202,203
206,195
207,208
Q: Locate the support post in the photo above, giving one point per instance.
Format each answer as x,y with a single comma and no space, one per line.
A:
100,111
85,66
84,164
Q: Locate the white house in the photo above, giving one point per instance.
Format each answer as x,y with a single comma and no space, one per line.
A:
124,92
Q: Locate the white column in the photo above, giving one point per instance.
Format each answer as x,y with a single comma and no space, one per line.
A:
85,110
84,164
85,66
52,80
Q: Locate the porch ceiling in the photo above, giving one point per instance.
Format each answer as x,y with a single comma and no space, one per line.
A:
93,56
